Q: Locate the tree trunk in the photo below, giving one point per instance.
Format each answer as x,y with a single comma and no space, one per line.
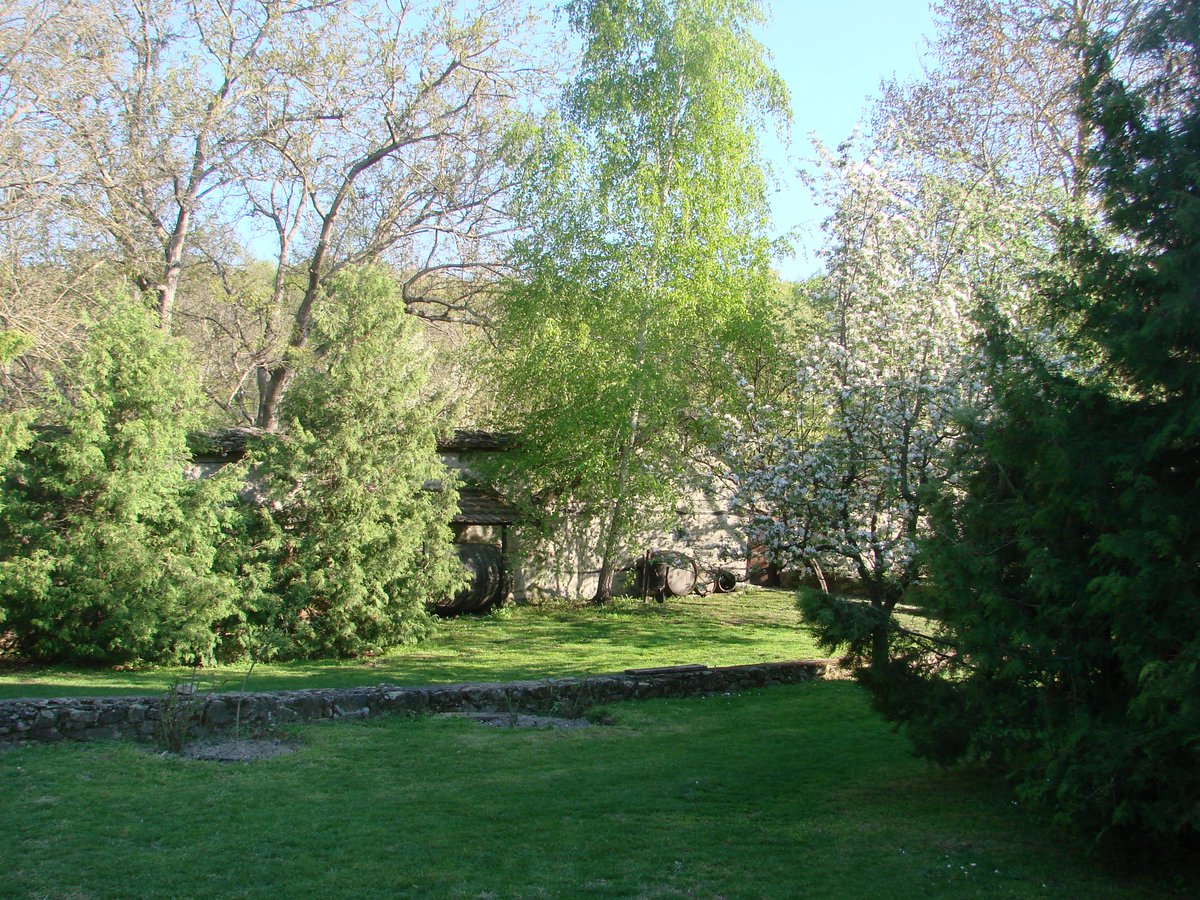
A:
883,602
169,289
620,506
604,583
272,383
616,525
879,646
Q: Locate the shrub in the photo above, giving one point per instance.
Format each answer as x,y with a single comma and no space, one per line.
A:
107,553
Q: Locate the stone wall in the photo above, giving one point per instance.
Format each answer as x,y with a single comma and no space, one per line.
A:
564,564
92,718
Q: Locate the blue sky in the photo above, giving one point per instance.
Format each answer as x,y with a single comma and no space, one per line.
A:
833,55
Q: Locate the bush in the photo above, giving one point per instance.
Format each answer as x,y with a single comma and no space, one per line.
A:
107,554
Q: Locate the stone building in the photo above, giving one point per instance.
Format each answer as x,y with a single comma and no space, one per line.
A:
510,556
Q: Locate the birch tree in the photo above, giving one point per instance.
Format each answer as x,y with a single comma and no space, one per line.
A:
647,219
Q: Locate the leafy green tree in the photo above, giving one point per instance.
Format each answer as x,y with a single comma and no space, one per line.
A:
355,499
1066,560
107,554
646,214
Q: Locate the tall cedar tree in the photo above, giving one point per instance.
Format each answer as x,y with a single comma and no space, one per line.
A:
359,539
1066,567
107,554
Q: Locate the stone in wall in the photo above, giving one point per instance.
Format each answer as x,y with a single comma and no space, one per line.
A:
203,715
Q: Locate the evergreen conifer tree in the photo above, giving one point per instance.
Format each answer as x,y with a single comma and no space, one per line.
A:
1067,561
359,540
107,553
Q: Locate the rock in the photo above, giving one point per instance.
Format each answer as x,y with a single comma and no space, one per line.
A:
45,719
217,714
80,718
48,719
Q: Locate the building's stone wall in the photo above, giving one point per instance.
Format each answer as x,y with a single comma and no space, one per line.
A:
92,718
560,565
565,564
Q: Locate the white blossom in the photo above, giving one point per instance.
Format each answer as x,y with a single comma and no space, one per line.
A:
886,379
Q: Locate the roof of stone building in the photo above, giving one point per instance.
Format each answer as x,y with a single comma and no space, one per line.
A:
475,439
477,507
229,444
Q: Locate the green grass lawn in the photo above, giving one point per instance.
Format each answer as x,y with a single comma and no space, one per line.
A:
784,792
797,791
520,642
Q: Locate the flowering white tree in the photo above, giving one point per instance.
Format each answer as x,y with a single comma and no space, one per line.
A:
876,404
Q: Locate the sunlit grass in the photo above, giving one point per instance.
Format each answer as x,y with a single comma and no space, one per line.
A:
796,791
520,642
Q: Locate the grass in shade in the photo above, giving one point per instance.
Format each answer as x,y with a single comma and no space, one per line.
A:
798,791
540,641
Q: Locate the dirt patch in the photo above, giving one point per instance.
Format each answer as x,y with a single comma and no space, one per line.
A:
244,750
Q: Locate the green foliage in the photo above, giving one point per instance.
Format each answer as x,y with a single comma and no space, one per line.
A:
842,624
1066,561
110,555
356,503
646,210
15,436
14,424
107,554
177,710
